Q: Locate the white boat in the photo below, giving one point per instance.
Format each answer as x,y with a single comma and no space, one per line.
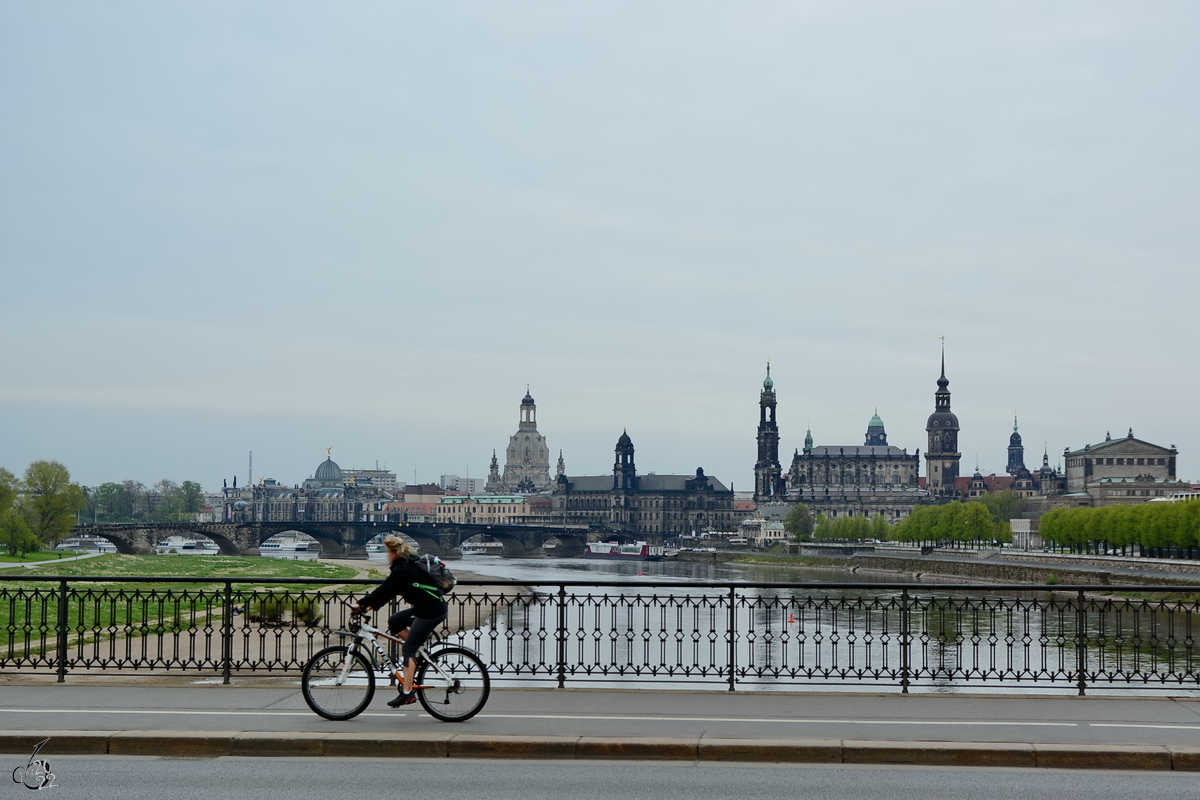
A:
639,551
482,549
294,546
188,545
86,543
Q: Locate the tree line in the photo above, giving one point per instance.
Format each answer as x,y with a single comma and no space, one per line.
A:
133,501
982,520
1148,526
39,508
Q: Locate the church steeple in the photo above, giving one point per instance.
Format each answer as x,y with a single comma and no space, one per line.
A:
768,473
942,456
1016,451
808,441
562,467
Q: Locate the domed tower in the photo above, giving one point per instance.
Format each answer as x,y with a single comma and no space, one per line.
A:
328,472
527,457
624,470
1016,451
768,474
876,435
942,456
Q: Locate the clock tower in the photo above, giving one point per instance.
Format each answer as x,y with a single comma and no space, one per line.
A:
942,456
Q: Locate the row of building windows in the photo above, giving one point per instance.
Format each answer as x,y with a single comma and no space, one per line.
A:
1130,462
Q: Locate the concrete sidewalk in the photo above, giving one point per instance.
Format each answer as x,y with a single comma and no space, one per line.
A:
967,730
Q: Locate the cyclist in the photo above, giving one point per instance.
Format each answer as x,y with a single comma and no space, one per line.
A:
415,624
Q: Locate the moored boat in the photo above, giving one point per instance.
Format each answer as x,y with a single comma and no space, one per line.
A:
638,551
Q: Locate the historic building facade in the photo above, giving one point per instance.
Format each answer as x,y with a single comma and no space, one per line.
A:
330,495
768,473
875,479
667,505
1125,470
942,456
526,460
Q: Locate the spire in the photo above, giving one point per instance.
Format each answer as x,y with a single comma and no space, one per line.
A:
942,382
768,383
1014,422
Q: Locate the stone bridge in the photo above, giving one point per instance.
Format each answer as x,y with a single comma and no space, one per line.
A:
350,538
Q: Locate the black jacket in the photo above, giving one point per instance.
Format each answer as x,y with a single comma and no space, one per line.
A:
412,583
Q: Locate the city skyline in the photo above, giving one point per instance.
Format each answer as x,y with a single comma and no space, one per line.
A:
792,432
294,232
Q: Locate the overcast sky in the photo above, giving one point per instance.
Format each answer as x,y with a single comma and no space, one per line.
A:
282,227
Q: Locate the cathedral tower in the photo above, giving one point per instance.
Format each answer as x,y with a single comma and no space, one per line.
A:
768,481
942,457
1016,451
624,470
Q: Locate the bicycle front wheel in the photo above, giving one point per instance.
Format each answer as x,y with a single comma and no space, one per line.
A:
453,685
338,683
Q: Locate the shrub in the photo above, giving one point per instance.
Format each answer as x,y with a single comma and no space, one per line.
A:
1051,580
268,609
306,611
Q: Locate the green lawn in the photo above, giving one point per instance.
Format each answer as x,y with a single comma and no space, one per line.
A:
29,609
204,568
42,555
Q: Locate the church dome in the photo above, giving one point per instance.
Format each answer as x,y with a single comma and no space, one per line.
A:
942,420
875,422
527,400
625,441
328,472
768,384
1014,440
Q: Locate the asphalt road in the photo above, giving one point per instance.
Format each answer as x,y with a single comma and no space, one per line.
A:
947,718
83,778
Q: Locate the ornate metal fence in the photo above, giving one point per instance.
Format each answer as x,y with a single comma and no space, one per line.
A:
631,633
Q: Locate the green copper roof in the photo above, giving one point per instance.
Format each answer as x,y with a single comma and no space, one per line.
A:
768,383
875,422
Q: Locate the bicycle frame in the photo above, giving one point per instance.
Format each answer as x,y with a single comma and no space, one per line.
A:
367,633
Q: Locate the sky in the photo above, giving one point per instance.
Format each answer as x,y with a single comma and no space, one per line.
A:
285,227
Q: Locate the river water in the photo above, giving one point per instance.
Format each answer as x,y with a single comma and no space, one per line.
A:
648,633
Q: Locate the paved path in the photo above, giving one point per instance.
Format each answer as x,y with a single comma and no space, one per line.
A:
80,778
575,712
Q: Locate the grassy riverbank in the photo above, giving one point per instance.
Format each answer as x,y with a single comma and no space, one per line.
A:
204,568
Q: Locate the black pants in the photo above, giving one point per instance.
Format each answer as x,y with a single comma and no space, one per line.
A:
419,630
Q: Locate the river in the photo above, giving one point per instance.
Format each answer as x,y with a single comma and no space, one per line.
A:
647,633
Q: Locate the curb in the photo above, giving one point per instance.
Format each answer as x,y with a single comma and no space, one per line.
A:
215,744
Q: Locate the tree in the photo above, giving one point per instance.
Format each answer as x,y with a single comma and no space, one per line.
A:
8,489
976,523
880,529
1004,506
15,534
799,521
50,501
193,497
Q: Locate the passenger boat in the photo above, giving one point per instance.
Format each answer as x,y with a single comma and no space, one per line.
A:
295,546
87,543
639,551
188,546
482,549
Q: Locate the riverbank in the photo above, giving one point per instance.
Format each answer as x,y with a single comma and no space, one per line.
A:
1005,568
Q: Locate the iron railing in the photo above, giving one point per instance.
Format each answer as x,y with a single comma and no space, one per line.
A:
780,635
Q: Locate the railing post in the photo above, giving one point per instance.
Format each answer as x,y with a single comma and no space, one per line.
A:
1081,643
561,637
905,642
227,634
732,636
62,630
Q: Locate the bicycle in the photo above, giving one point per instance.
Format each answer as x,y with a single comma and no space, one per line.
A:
451,683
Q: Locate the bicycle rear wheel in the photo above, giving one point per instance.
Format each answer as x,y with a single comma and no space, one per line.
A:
332,690
453,685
